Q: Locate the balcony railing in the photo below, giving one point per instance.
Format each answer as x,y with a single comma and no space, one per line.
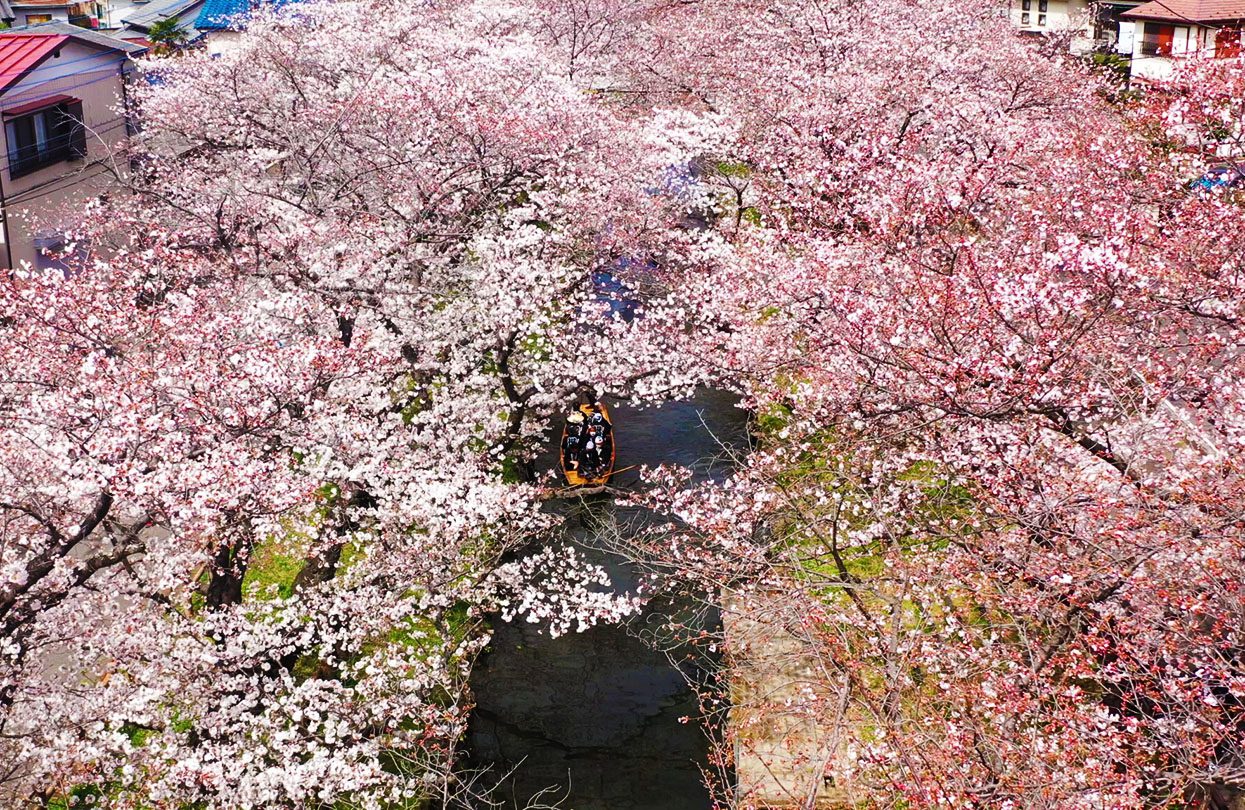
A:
27,159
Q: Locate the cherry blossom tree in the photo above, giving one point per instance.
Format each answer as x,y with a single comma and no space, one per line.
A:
263,445
991,342
265,448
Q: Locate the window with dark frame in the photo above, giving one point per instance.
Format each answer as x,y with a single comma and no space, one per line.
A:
1025,7
44,137
1157,39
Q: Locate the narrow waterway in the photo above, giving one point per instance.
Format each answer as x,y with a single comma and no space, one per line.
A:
591,721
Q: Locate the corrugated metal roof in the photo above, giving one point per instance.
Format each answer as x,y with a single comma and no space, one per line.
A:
20,55
145,16
1189,11
84,35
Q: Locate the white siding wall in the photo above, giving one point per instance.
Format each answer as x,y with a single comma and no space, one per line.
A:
221,42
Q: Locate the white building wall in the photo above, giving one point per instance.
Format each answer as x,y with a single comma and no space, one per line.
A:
222,42
1184,42
114,11
58,14
1061,15
1152,68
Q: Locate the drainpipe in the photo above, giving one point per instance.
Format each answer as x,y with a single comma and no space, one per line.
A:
4,211
127,71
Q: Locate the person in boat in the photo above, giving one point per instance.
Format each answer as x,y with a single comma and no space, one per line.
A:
600,434
572,447
591,458
598,420
573,444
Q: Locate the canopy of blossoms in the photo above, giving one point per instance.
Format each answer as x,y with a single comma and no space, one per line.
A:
989,339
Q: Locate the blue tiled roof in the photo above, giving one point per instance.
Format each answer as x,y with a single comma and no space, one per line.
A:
222,15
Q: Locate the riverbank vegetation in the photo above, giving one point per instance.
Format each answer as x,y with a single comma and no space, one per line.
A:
988,335
265,448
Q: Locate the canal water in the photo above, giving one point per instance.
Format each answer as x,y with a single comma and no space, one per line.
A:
592,721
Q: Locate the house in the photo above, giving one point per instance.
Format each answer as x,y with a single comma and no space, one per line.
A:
1055,17
96,15
85,14
112,13
221,20
1044,16
136,26
1093,25
62,102
1166,31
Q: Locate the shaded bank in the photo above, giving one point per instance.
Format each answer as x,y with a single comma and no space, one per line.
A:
594,718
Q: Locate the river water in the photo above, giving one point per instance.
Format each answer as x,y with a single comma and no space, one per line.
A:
591,721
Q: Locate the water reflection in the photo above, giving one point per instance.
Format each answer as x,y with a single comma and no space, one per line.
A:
612,297
594,718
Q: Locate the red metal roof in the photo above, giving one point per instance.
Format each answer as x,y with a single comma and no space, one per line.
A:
19,54
1189,11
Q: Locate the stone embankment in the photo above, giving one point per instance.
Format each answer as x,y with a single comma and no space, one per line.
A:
781,753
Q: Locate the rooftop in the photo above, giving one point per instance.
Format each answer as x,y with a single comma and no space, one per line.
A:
143,17
1189,11
20,55
64,29
220,15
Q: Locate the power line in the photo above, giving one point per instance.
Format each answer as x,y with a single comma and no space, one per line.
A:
58,91
103,59
1183,17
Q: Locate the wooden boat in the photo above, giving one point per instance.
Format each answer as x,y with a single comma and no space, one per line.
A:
572,476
